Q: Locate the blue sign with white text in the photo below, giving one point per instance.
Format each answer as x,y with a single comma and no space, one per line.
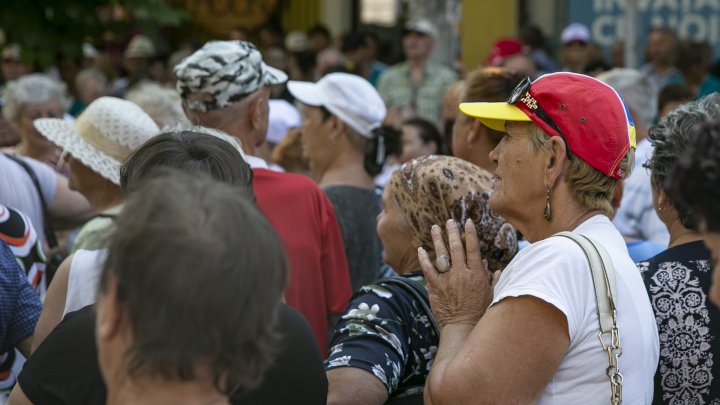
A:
690,19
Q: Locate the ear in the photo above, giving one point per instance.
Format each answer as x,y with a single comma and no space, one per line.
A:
109,313
337,128
662,198
556,160
474,134
257,115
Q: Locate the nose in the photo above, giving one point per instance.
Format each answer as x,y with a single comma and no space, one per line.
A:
493,155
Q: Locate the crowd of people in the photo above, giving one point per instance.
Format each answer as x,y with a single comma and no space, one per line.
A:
298,222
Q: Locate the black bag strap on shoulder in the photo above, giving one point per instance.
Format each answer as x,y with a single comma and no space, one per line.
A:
49,231
418,292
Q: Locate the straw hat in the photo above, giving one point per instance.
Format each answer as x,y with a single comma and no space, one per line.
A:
103,136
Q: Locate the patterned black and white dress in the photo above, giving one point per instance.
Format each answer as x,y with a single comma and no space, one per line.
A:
384,331
677,281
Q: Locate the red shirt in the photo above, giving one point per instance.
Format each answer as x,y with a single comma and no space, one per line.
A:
305,220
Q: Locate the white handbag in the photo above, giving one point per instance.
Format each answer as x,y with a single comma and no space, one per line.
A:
603,277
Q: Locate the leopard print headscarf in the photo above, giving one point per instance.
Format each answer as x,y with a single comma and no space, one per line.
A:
433,189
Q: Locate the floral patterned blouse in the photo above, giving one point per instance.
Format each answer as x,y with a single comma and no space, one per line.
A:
677,281
387,333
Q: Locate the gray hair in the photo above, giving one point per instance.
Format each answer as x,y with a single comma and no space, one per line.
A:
638,91
32,89
87,74
669,139
163,105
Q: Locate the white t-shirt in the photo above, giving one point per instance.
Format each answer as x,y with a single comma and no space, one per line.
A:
557,271
83,278
18,191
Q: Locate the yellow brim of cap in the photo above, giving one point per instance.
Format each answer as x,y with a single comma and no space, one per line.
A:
494,115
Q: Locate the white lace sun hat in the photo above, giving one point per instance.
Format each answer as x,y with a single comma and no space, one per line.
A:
103,136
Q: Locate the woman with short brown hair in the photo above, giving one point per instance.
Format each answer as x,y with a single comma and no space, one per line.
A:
531,335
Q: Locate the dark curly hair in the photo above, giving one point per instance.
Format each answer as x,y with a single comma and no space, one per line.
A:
669,139
695,178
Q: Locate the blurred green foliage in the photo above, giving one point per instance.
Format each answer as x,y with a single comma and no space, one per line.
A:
47,28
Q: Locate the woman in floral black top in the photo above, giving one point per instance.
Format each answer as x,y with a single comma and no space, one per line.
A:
384,344
679,279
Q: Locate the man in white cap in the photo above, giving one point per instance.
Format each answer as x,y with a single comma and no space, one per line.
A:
341,113
225,85
575,51
415,87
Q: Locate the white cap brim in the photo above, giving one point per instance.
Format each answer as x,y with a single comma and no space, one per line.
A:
307,93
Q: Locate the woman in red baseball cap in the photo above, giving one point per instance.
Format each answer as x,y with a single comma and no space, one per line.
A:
531,334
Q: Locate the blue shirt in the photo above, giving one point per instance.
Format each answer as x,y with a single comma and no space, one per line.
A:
19,303
643,249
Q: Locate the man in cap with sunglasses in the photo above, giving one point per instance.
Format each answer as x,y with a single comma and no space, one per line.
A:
530,335
225,85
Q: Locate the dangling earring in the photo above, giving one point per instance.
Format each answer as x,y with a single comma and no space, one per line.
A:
547,213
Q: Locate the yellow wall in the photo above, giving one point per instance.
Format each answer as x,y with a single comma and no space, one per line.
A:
484,21
301,14
220,16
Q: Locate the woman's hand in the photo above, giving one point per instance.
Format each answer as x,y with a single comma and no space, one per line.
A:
462,294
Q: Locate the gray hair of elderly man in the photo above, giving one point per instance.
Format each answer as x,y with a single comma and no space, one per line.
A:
670,137
87,78
638,91
32,89
162,104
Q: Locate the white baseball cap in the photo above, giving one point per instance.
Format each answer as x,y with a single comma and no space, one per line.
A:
575,32
422,26
349,97
282,117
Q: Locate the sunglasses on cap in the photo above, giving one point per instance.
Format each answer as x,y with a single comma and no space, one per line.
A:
521,93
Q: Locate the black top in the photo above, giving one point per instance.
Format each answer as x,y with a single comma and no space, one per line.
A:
356,210
64,369
678,281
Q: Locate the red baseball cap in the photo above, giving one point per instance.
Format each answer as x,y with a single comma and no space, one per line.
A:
591,116
501,49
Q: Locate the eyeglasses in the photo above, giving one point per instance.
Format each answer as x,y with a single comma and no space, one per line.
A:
521,93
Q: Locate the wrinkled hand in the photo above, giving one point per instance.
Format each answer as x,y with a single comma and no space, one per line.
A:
463,294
